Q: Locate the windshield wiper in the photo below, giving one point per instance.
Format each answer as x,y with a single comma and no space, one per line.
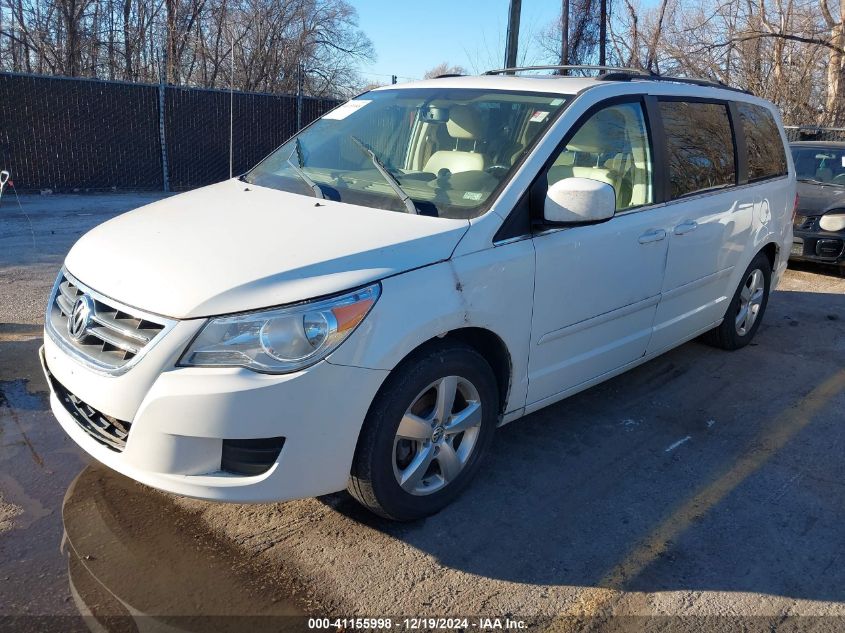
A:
390,178
297,167
813,181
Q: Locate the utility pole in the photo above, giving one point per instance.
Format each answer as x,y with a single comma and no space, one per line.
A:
564,33
603,34
513,33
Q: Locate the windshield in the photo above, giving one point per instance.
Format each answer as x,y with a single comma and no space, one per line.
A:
439,152
820,164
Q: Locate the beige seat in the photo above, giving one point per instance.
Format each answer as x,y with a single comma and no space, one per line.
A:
598,136
463,124
564,167
559,172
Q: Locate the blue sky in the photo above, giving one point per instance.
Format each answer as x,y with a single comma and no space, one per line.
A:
412,36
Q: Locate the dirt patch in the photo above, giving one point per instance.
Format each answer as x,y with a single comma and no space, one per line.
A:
8,511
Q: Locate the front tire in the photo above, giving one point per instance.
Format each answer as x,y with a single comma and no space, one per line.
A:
746,309
426,433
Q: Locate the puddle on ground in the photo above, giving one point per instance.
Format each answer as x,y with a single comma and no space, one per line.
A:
102,551
130,553
14,393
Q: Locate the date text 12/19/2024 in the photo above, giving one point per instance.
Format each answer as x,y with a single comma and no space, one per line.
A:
418,624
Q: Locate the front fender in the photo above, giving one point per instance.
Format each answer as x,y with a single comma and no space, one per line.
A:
491,289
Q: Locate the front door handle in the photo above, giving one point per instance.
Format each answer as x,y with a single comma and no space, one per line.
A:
686,227
654,235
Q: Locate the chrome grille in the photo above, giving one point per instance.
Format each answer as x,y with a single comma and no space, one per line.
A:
114,336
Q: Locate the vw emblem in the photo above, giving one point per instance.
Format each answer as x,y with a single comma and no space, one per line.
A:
80,317
437,434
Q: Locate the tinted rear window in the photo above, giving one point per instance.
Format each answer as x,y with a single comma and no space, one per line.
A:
700,146
766,156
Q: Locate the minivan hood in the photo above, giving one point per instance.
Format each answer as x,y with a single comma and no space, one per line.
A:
233,247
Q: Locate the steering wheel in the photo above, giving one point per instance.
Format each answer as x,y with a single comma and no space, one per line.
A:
497,170
839,180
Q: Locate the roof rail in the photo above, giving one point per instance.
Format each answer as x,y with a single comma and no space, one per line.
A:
617,73
624,76
615,69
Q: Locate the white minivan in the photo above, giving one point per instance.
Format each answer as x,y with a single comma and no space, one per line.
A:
422,264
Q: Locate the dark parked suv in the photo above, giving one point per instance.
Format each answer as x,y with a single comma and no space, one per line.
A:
819,231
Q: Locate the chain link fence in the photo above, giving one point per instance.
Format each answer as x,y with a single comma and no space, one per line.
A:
68,134
812,133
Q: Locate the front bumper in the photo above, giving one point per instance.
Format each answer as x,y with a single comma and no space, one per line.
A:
175,442
817,245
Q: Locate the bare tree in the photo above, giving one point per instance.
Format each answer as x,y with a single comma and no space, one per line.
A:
189,42
444,68
583,37
787,51
836,57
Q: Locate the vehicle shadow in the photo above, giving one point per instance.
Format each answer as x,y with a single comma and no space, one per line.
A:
700,470
828,270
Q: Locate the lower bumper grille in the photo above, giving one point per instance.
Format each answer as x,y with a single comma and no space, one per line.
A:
829,248
108,431
250,457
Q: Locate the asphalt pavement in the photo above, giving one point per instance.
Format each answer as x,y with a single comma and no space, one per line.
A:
704,489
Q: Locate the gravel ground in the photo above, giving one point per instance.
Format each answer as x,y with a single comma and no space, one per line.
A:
703,483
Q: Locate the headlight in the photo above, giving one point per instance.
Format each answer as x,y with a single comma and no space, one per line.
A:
282,340
832,222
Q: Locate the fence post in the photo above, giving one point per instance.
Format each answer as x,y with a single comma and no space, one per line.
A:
299,82
162,136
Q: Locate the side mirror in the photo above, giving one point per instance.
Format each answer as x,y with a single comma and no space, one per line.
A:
579,200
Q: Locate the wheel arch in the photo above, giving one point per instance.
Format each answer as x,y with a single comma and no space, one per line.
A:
494,350
484,341
772,251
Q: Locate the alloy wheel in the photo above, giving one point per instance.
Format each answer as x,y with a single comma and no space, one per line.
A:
750,301
437,435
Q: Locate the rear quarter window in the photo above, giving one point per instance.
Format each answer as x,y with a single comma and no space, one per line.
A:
766,155
700,146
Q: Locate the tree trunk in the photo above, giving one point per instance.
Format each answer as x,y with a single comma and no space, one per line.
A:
127,40
835,70
171,75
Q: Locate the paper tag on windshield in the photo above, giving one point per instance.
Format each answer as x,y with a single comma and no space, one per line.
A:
472,195
843,161
345,109
539,116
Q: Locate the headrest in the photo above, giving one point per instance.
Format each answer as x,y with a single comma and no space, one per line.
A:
604,132
464,122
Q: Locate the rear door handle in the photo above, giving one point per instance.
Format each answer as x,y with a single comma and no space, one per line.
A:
654,235
686,227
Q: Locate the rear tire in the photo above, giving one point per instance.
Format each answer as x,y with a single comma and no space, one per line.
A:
426,433
746,309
